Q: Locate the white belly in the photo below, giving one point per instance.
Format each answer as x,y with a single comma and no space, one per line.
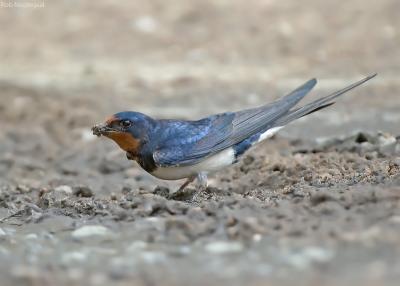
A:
209,165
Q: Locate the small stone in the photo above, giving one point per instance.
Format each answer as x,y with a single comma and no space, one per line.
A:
111,165
83,191
362,137
248,160
386,139
309,255
23,189
91,230
318,254
180,251
320,197
387,144
64,189
397,148
223,247
196,213
137,246
278,167
145,24
176,207
31,236
395,219
161,191
179,229
75,256
126,190
153,257
211,207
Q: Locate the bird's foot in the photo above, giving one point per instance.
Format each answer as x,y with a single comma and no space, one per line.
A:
202,185
180,194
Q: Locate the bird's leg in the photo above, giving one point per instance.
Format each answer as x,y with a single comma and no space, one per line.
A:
202,184
187,182
180,192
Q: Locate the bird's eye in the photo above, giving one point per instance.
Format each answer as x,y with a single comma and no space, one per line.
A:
126,123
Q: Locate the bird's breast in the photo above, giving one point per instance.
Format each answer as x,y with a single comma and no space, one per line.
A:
125,141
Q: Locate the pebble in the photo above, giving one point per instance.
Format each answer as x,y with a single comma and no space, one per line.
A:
309,255
395,219
176,207
386,139
145,24
387,144
64,189
91,230
161,191
83,191
223,247
257,237
367,235
74,256
31,236
137,246
153,257
180,251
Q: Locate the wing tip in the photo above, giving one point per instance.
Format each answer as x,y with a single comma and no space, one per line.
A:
303,89
312,82
371,76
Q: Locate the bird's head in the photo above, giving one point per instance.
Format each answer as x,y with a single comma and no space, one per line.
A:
128,129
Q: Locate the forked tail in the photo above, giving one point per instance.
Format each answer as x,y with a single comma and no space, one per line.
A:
316,105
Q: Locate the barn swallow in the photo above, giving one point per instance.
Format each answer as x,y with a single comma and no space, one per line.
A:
175,149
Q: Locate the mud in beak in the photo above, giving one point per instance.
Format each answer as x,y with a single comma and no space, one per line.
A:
102,129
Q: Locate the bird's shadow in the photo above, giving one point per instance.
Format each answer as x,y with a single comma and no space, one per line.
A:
188,194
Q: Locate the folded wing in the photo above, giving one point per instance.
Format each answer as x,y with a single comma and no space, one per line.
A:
228,129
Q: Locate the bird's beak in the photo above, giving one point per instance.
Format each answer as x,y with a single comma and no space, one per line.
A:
102,129
124,139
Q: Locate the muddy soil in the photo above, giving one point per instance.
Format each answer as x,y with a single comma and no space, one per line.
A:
318,204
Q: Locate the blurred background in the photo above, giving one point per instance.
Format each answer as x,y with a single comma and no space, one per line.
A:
192,58
67,65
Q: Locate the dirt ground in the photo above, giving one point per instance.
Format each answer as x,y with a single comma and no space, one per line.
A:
318,204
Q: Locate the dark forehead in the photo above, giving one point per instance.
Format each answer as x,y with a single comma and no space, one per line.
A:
120,116
125,115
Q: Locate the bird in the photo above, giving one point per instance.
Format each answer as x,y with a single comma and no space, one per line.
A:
173,149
